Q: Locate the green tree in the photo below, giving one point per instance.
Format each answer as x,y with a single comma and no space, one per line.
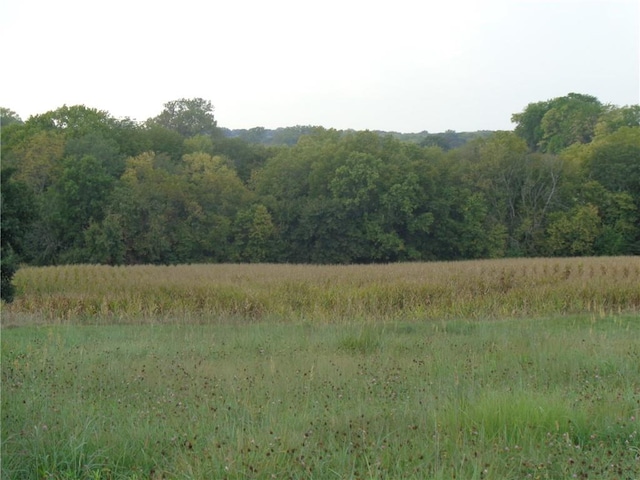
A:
521,188
529,123
339,198
245,157
82,193
75,121
255,135
616,206
12,132
571,119
16,215
104,241
254,234
290,135
404,210
199,144
355,181
188,117
555,124
165,141
614,161
104,149
37,159
615,118
150,202
316,232
619,215
215,183
574,233
8,116
356,186
85,131
464,225
178,216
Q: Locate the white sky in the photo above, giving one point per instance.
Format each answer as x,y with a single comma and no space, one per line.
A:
402,65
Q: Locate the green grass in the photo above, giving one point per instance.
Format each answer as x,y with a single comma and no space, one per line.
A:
555,397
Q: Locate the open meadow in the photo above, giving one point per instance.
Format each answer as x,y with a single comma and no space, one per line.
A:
472,370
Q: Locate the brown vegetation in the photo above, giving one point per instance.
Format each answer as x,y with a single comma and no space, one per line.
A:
205,293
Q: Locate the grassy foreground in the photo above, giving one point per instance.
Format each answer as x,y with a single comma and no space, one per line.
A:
476,370
550,398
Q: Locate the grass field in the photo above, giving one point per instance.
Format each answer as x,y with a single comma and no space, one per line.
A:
473,370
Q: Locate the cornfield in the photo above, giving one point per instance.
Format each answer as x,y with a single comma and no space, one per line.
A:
408,291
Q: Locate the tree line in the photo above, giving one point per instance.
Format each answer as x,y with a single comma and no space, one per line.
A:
80,186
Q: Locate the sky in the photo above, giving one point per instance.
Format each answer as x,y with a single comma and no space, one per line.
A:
404,66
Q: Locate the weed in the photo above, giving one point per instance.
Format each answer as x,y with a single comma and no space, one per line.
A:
488,399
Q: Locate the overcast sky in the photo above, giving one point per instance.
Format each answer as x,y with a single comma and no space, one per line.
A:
402,65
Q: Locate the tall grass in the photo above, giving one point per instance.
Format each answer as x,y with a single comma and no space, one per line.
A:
542,398
194,293
524,369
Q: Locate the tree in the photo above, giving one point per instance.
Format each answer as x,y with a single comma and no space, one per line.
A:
318,232
614,161
291,135
12,132
82,193
464,224
37,159
615,118
529,123
7,117
104,149
404,210
245,157
446,141
619,227
164,141
215,184
199,144
104,241
254,234
571,119
16,214
178,216
555,124
356,186
521,188
188,117
574,233
75,121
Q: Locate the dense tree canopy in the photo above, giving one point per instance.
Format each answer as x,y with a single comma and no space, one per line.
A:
177,188
16,214
188,117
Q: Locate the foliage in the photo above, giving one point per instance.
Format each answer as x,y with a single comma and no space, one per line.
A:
8,116
574,232
615,118
254,232
36,159
556,124
175,189
188,117
16,213
614,161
